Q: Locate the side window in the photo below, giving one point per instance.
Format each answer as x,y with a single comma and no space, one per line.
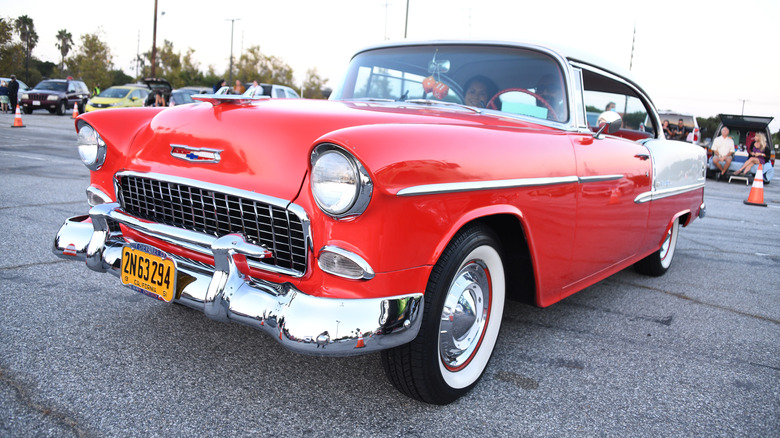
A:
279,92
602,93
71,87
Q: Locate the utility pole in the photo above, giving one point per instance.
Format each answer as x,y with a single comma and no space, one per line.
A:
406,24
154,42
230,72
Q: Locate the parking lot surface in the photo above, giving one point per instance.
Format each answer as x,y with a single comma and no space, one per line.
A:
692,353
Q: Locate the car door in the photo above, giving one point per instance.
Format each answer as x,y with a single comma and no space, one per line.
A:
613,170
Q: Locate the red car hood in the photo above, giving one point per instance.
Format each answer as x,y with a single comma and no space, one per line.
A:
265,147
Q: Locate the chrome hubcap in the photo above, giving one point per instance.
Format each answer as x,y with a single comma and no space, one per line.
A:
464,316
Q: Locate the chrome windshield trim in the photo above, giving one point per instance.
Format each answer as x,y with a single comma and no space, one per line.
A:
428,189
665,193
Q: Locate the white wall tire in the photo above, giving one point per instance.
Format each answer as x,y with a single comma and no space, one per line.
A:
464,303
657,263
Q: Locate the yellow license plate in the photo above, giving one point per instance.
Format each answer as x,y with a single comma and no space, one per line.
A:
149,271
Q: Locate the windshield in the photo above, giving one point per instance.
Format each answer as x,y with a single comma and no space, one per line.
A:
51,85
115,93
506,79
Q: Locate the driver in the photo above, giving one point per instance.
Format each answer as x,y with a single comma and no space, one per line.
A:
479,91
549,89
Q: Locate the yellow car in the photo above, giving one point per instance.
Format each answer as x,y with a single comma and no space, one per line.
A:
118,97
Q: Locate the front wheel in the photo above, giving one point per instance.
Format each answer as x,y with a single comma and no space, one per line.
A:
657,263
464,302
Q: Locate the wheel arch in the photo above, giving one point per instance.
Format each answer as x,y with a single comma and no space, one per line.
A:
509,226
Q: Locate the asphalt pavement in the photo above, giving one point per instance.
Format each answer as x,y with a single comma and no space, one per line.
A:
691,353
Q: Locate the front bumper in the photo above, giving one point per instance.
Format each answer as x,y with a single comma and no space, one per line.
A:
299,321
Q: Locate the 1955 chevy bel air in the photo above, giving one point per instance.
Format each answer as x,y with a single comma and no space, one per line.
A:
439,180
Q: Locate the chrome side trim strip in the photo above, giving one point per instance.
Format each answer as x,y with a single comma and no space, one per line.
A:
599,178
665,193
428,189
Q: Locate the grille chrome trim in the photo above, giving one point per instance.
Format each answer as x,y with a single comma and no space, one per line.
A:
213,210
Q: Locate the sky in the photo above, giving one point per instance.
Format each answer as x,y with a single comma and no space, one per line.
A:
699,57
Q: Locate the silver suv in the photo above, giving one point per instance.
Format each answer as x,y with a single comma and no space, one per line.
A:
690,131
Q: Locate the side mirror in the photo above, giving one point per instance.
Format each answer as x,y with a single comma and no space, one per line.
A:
609,120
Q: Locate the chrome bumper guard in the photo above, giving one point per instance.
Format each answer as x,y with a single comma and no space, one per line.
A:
300,322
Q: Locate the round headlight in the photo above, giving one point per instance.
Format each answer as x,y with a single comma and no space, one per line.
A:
340,185
92,149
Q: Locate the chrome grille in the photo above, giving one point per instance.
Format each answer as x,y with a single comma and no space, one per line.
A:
218,213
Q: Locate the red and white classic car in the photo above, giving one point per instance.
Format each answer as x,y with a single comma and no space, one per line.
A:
440,179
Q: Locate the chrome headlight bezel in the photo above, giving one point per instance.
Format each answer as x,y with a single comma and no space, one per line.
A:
340,184
91,148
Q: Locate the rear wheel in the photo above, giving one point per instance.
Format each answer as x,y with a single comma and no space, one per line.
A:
464,302
657,263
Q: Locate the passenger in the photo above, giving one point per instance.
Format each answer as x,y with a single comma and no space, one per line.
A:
239,88
256,90
680,133
667,130
219,85
610,107
723,151
479,91
550,89
759,151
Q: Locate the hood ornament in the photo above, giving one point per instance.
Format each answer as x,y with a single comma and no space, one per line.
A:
197,155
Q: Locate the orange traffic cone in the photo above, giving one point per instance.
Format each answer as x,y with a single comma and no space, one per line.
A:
75,110
756,196
360,342
18,119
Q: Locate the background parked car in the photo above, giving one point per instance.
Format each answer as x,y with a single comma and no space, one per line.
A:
743,129
123,96
56,96
157,85
272,90
195,89
22,85
689,121
180,97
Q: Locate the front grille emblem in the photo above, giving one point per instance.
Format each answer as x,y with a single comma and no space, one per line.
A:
197,155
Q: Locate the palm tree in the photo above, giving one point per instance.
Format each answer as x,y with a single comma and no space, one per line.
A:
26,29
65,42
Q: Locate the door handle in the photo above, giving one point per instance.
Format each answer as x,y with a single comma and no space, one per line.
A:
642,157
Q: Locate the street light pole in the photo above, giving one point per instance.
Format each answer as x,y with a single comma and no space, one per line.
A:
230,72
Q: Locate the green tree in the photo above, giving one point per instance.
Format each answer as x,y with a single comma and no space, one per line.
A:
253,65
313,85
708,126
25,27
64,43
92,62
11,53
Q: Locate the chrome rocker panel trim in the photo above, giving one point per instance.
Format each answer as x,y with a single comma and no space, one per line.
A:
300,322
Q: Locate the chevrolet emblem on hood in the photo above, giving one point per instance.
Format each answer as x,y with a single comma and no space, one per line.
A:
199,155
